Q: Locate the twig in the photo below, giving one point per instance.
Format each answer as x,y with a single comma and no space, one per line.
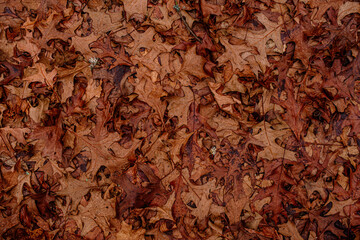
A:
183,19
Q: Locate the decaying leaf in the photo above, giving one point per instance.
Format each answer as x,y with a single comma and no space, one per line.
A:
179,119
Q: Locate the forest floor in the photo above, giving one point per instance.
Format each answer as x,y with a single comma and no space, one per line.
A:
187,119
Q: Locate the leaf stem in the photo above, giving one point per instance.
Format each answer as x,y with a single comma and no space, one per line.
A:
183,19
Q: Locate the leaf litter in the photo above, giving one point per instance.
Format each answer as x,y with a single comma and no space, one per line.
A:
163,119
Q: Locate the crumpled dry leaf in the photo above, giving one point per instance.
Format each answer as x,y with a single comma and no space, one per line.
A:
179,120
346,9
127,232
95,213
74,189
41,75
134,8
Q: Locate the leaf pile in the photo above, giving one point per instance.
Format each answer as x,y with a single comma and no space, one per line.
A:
165,119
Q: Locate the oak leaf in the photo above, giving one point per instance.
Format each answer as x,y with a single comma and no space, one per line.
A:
179,105
49,141
102,22
133,8
11,219
106,51
278,191
74,189
66,77
40,74
81,44
49,31
267,135
208,8
259,39
95,212
17,133
151,93
127,232
137,196
346,9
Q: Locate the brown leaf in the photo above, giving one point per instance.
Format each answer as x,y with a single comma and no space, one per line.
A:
96,212
179,119
106,51
136,195
81,44
15,71
75,189
135,8
49,31
40,74
208,8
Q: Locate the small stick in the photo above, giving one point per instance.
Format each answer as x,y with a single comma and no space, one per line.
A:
183,19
